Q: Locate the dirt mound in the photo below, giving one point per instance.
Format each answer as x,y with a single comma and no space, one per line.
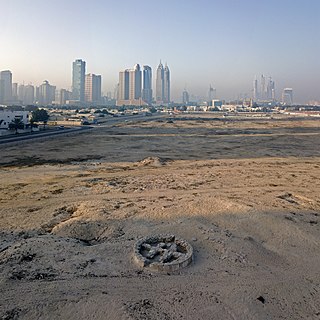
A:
153,161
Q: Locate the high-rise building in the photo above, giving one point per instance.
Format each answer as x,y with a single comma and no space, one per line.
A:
211,94
62,96
263,88
46,93
255,90
78,80
287,96
93,88
5,86
123,91
147,85
37,94
163,84
15,91
21,90
185,97
116,92
166,97
130,87
26,94
135,83
270,90
160,84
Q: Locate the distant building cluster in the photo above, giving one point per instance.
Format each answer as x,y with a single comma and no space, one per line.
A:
135,86
86,89
266,90
12,93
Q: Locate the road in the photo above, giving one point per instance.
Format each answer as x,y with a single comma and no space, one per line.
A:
41,134
58,132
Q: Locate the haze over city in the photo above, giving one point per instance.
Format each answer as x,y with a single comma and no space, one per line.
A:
223,43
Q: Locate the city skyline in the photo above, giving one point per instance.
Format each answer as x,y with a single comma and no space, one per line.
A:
134,88
223,43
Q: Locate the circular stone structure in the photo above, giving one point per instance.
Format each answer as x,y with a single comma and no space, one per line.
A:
163,252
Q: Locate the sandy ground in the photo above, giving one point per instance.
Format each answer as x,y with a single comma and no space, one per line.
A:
245,193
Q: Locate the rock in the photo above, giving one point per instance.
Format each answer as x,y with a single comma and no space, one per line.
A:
151,254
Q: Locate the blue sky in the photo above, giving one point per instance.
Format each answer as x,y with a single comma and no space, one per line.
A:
224,43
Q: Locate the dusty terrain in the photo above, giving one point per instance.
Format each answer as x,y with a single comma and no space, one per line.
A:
245,193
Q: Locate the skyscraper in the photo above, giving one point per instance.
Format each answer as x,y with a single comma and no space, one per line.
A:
130,87
135,83
147,84
93,88
62,96
160,84
21,90
255,90
185,97
287,96
166,96
163,84
26,94
15,91
211,94
263,88
5,86
270,90
46,93
78,80
123,92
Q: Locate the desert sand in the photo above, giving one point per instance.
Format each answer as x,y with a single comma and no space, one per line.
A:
243,191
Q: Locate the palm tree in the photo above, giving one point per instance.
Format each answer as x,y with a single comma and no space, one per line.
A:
16,124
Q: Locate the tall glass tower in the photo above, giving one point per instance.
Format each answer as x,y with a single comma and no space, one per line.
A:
147,85
255,90
78,80
166,83
160,84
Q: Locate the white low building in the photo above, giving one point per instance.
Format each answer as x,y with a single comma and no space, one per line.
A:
7,116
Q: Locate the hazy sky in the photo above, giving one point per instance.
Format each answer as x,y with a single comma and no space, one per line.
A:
222,42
